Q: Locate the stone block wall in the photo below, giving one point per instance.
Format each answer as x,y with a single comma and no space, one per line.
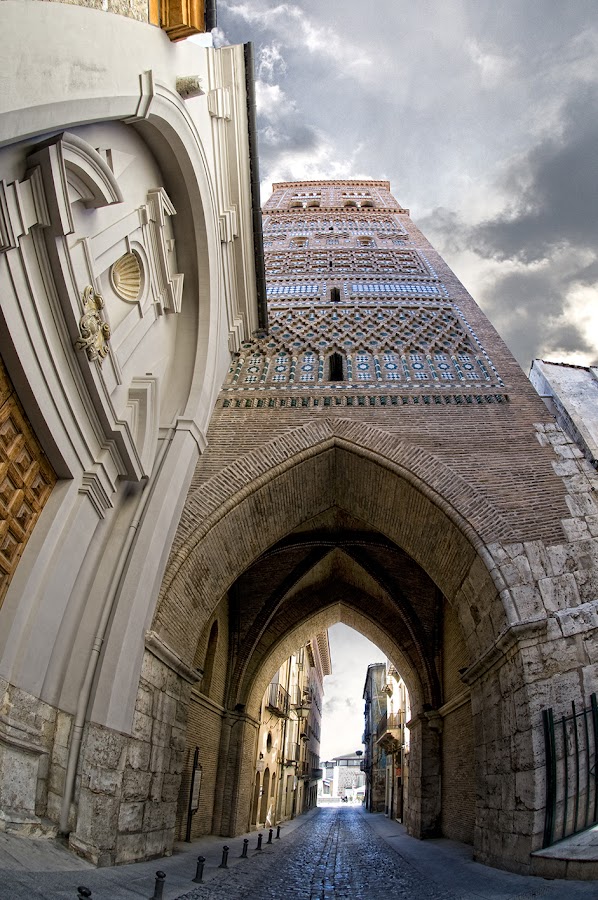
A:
129,784
132,9
27,732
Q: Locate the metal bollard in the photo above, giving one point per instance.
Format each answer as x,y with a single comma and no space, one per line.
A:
83,893
245,846
201,861
259,841
159,886
278,832
270,833
224,863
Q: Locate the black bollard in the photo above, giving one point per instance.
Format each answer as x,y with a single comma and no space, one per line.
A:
278,832
245,846
82,893
159,886
201,861
224,863
270,833
259,842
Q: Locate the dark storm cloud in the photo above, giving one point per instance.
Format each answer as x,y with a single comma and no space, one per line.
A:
293,136
529,310
555,187
548,230
483,116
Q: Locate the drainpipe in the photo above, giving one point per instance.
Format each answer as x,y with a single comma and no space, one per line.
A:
94,656
254,174
282,778
210,15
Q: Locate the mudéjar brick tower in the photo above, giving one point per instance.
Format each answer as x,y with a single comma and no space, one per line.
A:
378,457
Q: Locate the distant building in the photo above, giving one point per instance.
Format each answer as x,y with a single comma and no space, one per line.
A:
344,778
288,756
386,741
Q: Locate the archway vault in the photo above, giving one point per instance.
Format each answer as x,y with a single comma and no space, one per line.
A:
323,619
395,490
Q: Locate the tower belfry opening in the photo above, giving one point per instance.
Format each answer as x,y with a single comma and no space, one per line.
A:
335,364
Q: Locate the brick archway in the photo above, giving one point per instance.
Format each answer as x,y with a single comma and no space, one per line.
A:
260,503
405,493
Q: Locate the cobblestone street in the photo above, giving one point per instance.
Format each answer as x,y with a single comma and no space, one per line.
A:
334,856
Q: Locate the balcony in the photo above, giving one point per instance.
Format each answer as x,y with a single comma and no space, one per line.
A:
278,700
293,754
303,769
389,732
317,774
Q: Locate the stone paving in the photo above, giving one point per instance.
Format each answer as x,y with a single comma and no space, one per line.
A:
334,856
334,853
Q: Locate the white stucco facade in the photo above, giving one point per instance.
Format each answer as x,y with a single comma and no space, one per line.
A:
122,202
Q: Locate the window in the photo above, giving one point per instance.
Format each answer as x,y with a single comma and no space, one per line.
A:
335,363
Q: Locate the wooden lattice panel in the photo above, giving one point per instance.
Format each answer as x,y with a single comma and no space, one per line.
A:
26,481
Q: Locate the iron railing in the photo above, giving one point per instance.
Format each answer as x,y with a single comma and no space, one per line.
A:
571,745
390,722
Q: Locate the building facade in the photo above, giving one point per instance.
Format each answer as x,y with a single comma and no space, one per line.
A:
386,739
176,526
128,277
571,394
344,778
377,457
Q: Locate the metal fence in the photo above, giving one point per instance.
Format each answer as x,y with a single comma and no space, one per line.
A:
571,745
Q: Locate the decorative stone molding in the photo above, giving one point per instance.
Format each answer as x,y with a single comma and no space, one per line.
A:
168,286
98,491
456,703
189,86
72,170
22,205
510,637
126,277
219,103
95,332
162,651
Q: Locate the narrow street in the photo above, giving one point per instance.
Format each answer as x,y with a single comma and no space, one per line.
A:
334,856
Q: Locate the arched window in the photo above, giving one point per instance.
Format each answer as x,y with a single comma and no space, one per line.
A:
335,363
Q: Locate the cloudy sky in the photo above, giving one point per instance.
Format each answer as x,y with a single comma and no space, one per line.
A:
484,117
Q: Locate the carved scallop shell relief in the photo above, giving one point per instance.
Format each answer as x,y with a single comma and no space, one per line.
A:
126,276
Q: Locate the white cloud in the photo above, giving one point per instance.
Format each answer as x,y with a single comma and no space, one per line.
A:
342,720
270,62
492,66
293,27
271,101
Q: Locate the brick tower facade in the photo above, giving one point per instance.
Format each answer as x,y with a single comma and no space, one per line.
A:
377,457
357,308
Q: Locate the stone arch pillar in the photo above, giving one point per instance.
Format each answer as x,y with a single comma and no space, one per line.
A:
422,815
238,747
